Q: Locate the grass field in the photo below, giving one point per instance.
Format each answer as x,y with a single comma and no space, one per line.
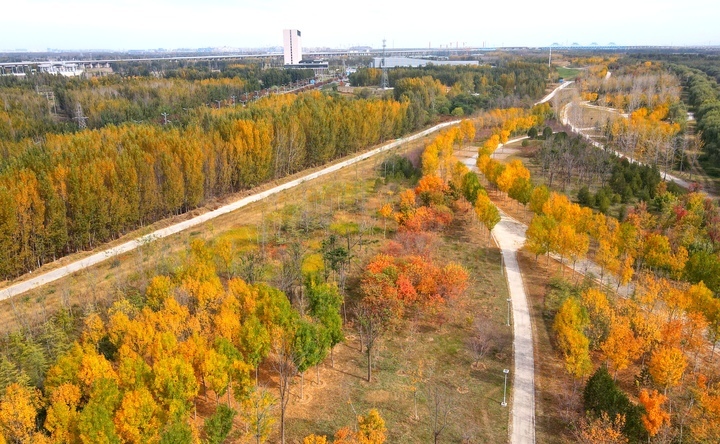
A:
567,73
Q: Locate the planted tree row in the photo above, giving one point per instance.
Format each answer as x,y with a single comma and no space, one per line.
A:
74,191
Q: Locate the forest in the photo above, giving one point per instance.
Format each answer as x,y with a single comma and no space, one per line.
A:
138,368
470,88
65,191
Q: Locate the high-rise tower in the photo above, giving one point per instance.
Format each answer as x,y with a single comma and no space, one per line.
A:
291,44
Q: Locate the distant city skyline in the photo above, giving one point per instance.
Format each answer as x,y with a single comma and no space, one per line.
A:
171,24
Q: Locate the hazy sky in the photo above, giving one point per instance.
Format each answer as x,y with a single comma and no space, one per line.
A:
144,24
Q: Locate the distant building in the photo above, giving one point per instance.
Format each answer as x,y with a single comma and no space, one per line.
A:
397,62
61,68
292,46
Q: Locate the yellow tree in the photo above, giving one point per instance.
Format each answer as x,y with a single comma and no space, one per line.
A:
18,410
569,324
371,428
486,212
467,129
621,347
62,414
602,430
667,365
385,212
599,310
137,418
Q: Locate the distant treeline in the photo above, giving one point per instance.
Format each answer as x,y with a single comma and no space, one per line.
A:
26,111
470,87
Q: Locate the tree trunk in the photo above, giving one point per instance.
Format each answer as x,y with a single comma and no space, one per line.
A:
369,364
282,423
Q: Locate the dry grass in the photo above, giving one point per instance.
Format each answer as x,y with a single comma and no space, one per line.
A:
439,344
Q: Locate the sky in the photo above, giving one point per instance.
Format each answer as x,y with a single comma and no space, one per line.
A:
172,24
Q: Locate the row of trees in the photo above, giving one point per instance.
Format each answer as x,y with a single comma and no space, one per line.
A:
74,191
704,97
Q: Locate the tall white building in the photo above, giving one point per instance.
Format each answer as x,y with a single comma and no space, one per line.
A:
291,43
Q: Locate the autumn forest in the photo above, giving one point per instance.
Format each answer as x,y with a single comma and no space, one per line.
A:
373,304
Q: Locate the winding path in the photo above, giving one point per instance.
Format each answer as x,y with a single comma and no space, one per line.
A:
53,275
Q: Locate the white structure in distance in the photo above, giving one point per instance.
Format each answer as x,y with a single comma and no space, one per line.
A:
292,46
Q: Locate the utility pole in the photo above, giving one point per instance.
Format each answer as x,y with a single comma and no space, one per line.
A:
504,402
384,77
509,301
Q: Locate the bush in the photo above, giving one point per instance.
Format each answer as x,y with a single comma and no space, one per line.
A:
218,426
585,197
547,133
533,133
458,112
398,167
601,394
525,143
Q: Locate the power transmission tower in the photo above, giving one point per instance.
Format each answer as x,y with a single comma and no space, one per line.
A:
550,58
80,117
384,77
165,121
49,94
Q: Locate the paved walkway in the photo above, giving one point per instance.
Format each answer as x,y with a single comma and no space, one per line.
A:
53,275
509,234
555,91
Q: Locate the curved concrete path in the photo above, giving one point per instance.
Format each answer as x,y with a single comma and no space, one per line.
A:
509,234
53,275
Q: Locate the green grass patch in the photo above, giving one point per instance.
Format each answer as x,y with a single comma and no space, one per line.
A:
567,73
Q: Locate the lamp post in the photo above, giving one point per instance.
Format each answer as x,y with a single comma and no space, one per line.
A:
504,403
509,301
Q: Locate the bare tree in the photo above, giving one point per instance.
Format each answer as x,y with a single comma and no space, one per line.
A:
483,340
440,406
371,324
284,365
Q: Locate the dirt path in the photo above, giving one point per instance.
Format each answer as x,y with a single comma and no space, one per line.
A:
53,275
